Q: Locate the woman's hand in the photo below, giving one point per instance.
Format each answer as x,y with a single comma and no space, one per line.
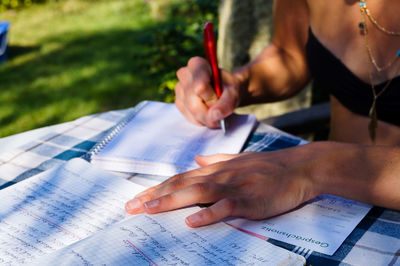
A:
253,185
195,96
259,185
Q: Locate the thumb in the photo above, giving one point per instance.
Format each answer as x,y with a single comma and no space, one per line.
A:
222,108
228,101
211,159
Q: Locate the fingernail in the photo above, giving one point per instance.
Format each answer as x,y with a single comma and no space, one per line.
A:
151,204
132,205
193,220
216,115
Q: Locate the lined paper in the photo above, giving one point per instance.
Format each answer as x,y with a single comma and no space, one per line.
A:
57,208
164,239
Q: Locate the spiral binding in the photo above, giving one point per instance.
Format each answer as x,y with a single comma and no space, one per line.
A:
113,131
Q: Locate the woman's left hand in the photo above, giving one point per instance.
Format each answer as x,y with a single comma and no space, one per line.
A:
253,185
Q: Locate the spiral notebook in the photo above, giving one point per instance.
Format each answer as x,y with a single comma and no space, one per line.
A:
156,139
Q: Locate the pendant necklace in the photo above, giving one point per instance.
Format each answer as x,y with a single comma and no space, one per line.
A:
373,124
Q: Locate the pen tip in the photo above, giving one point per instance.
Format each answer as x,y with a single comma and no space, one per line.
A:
222,124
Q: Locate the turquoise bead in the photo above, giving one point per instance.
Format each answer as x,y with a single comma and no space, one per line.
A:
398,53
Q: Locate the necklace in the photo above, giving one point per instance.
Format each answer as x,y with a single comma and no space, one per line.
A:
373,124
363,26
364,8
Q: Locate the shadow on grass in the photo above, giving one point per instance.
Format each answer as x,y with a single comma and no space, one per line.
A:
93,73
15,51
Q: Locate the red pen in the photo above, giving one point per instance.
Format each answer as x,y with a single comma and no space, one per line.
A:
211,54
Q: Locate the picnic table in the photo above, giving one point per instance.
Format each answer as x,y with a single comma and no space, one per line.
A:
375,240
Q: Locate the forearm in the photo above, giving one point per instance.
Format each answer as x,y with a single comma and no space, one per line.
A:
276,74
369,174
281,69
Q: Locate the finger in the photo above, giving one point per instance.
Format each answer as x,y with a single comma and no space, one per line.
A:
180,182
205,91
186,101
195,94
188,115
173,185
194,73
211,159
201,84
221,109
214,115
200,81
199,63
147,191
203,161
179,179
224,208
214,173
199,110
181,102
135,206
228,101
192,107
193,194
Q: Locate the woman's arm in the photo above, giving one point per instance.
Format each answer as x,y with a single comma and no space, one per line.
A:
369,174
277,73
281,69
260,185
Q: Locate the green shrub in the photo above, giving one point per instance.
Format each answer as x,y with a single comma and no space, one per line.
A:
17,4
179,39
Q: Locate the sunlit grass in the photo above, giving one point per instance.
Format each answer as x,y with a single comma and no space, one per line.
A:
72,58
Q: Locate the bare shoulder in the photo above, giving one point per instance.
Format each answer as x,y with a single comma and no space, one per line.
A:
332,18
291,21
328,20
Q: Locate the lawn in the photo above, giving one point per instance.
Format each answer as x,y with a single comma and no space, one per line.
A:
76,57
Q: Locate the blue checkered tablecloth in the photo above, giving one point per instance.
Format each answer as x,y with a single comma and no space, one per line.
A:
375,241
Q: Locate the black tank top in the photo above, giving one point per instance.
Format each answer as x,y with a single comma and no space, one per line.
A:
331,74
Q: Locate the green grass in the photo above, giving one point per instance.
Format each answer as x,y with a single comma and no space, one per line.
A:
72,58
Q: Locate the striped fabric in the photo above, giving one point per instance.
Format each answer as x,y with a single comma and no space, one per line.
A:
375,241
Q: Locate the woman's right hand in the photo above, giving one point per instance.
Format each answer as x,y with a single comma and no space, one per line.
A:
196,98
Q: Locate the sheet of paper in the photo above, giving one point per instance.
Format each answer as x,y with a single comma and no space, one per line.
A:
160,141
58,207
320,225
164,239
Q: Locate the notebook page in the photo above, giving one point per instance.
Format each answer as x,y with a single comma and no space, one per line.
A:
160,141
58,207
320,225
164,239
